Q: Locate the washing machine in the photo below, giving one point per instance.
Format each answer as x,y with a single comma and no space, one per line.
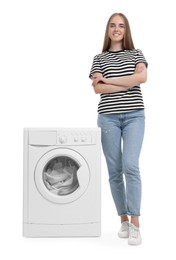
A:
62,182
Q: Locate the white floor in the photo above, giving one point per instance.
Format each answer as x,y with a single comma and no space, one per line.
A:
14,246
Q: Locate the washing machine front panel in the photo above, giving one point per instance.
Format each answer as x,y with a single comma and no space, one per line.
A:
62,176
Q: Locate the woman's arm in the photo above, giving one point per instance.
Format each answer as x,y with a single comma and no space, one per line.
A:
111,85
139,76
100,87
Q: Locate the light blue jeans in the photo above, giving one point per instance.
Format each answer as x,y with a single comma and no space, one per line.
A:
122,137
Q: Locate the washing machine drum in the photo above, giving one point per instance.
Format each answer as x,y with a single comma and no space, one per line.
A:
62,175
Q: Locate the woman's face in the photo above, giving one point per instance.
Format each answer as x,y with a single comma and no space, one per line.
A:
116,29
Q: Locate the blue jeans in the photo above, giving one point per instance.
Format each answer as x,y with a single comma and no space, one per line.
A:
122,137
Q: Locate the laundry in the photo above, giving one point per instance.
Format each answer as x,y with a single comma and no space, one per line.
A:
61,178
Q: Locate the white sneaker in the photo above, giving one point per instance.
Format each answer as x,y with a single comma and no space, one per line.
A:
124,230
134,235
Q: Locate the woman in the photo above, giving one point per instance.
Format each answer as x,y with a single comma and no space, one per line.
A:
116,75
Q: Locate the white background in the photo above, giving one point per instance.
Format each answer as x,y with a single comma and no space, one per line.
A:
46,51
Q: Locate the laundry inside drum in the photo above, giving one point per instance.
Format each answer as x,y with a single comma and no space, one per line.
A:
60,175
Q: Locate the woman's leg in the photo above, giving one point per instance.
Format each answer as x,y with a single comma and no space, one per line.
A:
111,143
133,133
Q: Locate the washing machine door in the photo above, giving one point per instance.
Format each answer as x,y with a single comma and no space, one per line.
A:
62,175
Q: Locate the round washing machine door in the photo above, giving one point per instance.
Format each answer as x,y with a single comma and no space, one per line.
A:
62,175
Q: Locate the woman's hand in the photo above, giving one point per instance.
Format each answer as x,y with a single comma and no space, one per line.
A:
139,76
97,78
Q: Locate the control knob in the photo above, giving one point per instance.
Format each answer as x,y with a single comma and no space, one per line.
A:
63,139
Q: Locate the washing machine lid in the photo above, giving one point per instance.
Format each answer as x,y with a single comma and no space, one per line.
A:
62,175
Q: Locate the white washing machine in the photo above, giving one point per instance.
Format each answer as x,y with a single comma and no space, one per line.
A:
62,182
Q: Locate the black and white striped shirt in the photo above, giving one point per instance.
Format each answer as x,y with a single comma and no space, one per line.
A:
118,64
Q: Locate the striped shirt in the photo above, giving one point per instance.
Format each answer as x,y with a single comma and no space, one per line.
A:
119,64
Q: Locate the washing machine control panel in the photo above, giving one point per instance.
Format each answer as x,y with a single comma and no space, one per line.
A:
75,138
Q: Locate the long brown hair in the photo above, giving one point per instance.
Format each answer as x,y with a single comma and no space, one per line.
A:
127,40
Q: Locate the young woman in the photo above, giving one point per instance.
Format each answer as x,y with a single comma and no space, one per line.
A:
116,75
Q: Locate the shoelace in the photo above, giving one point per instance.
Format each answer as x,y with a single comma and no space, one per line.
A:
134,231
124,226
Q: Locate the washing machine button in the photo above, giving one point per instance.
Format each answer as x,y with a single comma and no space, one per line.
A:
62,139
83,139
76,139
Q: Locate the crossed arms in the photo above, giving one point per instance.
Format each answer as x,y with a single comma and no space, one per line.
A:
103,85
